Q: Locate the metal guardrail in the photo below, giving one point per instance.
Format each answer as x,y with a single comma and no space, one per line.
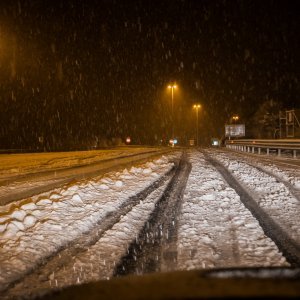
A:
265,146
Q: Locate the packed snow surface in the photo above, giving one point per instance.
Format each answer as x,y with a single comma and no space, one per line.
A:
214,227
34,228
16,164
24,175
273,196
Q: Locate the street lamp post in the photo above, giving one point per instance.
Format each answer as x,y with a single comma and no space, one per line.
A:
172,87
197,106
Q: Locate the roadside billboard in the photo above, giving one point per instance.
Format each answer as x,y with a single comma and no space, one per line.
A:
236,130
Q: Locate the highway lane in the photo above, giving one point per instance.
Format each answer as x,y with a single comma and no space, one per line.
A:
39,180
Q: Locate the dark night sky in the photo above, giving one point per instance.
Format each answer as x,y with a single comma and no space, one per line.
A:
71,71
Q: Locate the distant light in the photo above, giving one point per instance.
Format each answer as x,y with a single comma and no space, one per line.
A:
172,86
171,142
175,141
215,142
128,140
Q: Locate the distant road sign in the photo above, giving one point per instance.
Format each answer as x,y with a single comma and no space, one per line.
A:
237,130
192,142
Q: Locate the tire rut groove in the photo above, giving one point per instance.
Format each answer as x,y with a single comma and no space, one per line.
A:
155,246
56,260
286,245
288,185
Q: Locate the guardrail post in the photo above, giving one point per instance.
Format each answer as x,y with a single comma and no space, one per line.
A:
268,151
279,152
259,149
253,150
294,153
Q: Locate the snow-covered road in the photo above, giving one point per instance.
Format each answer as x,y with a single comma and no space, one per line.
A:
81,231
216,230
270,193
22,176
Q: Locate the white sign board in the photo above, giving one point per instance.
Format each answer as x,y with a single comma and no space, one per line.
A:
235,130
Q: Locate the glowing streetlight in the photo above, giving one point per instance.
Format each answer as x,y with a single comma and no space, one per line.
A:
172,87
197,107
235,118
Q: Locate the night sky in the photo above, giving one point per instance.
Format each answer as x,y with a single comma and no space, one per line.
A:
74,72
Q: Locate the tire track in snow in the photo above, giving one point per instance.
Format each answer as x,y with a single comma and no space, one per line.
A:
48,267
272,171
295,192
155,249
272,195
288,246
215,229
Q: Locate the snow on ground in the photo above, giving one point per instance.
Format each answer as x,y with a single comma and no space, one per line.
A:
100,260
273,196
40,172
23,187
288,175
16,164
285,172
215,229
33,228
